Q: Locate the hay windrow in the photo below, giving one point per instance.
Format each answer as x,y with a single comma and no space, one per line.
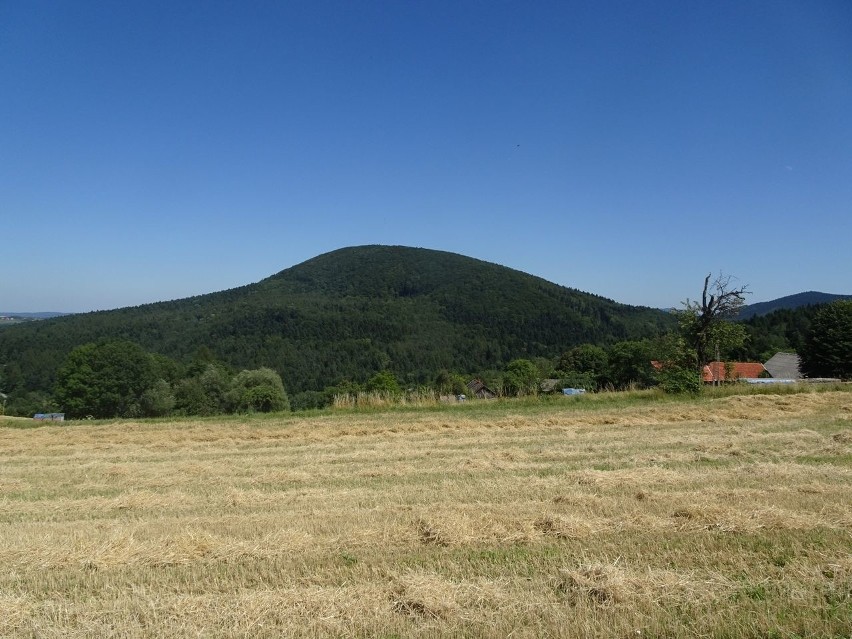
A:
722,516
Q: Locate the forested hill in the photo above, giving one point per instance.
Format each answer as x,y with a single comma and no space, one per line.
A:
345,315
789,302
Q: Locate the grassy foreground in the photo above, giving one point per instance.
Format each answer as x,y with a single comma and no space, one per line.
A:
719,517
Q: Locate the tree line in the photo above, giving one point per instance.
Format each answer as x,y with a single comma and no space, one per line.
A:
121,378
118,378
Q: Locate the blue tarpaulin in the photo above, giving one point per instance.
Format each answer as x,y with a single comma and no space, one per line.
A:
50,417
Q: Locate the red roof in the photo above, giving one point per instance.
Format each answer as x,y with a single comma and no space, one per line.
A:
718,371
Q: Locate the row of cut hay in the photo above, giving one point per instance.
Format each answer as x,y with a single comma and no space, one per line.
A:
436,523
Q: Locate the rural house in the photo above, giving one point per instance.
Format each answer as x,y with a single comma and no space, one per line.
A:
731,371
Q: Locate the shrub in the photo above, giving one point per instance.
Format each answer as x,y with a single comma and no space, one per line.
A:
259,390
384,382
678,380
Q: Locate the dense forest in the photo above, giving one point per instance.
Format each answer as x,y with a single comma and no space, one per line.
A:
783,330
789,303
341,319
344,316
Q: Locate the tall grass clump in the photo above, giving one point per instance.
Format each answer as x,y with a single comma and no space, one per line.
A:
386,399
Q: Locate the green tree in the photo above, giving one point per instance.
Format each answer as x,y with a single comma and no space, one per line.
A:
166,368
521,377
678,379
190,398
827,351
260,390
106,379
158,400
630,364
3,396
383,382
201,359
447,383
215,382
205,392
674,363
573,379
585,366
309,400
346,387
30,403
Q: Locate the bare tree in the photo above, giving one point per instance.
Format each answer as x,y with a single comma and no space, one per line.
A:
703,323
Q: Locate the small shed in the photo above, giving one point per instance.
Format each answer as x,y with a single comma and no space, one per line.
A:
479,390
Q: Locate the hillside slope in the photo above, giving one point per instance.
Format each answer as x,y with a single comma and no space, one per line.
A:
789,302
346,314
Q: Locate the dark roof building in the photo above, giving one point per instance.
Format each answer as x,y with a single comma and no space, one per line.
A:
478,389
784,366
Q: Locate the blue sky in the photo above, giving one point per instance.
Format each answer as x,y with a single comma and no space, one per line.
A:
157,150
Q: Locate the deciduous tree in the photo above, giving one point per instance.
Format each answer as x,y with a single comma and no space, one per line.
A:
158,400
630,364
521,377
106,379
585,366
259,390
383,382
705,324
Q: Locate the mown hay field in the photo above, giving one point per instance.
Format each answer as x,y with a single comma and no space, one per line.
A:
716,517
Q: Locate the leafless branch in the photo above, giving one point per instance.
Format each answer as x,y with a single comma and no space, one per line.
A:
725,300
720,300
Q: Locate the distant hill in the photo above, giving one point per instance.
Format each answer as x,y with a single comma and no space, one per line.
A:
809,298
9,318
345,315
45,315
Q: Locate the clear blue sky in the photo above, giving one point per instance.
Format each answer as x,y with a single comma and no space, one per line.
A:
156,150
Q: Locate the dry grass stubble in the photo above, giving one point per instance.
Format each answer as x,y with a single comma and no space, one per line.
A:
728,517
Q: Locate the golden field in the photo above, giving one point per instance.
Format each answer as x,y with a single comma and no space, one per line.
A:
723,516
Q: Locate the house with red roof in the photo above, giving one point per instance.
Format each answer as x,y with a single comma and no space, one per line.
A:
715,372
